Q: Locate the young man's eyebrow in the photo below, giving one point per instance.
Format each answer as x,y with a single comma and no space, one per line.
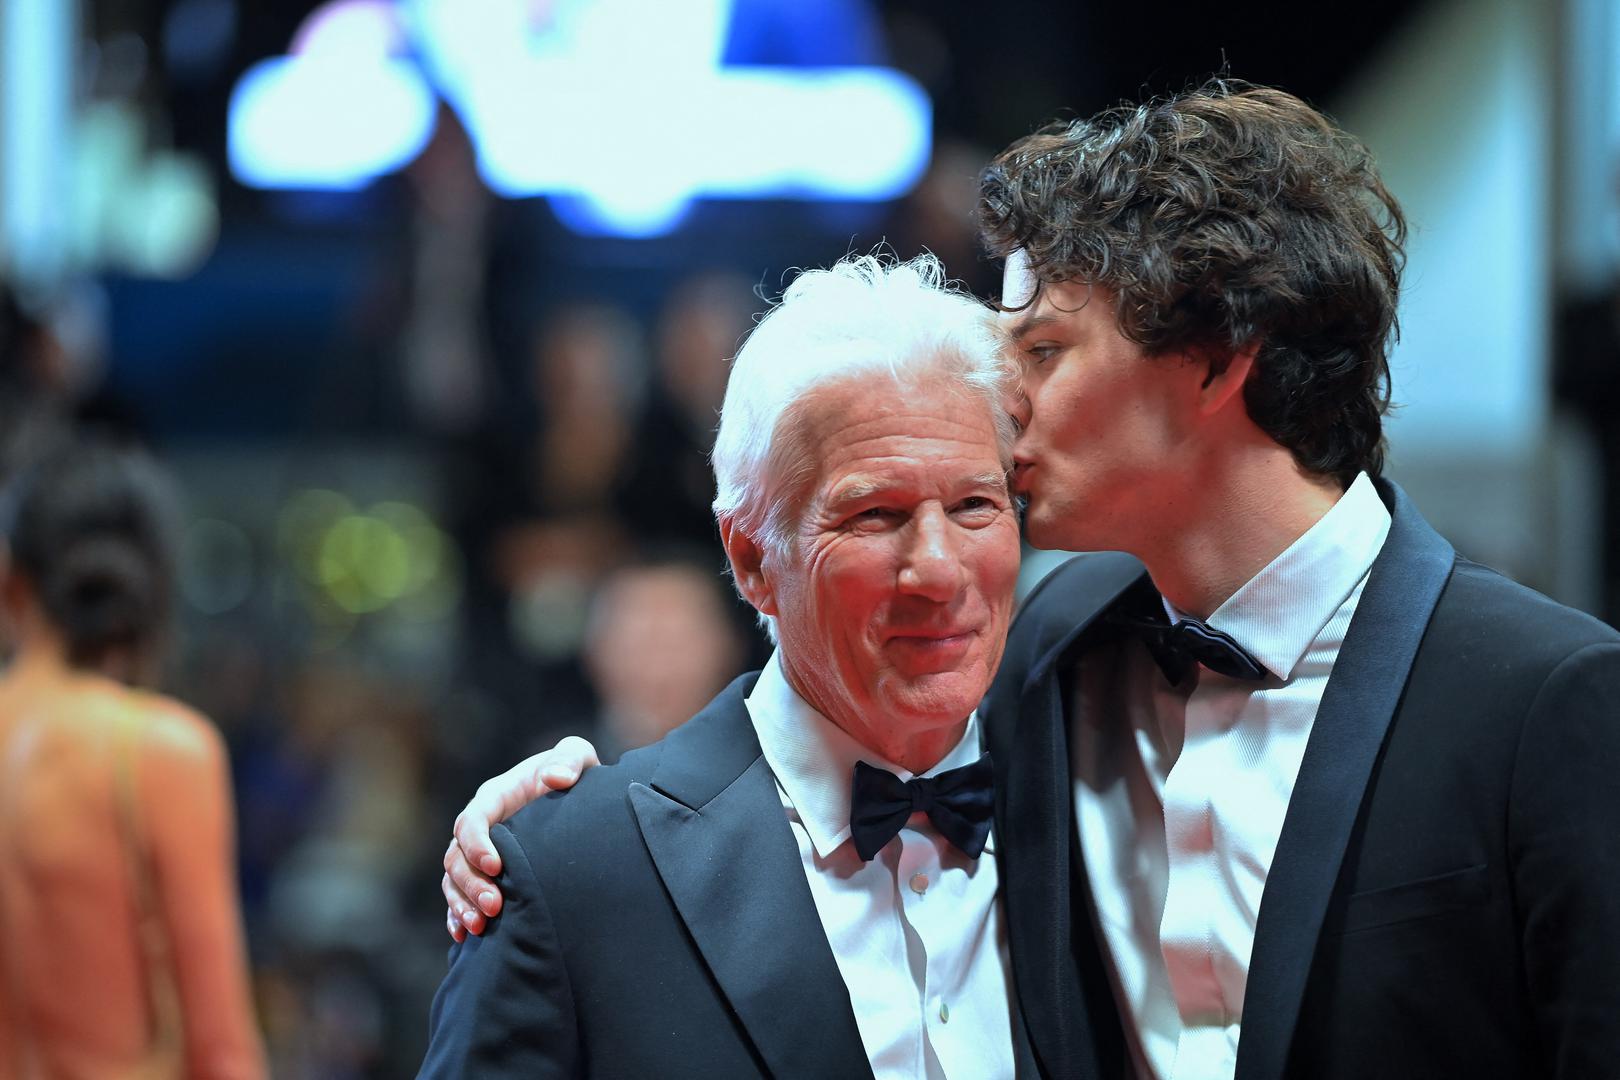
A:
1030,323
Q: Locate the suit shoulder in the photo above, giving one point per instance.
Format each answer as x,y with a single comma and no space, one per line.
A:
1504,625
1064,599
590,812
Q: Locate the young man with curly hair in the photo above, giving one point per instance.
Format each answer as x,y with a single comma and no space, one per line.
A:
1338,794
1286,787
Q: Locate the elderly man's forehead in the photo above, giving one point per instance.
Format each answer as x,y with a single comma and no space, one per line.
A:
887,385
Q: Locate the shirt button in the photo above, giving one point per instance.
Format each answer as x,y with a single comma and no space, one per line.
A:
919,883
944,1013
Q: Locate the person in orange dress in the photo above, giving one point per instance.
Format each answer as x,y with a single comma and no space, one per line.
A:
121,949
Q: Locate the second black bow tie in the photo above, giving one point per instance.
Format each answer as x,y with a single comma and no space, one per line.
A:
957,801
1177,647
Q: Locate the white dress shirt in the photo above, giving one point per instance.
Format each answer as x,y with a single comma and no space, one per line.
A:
1180,791
917,932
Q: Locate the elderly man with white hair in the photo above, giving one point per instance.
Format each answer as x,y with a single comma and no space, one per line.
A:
801,880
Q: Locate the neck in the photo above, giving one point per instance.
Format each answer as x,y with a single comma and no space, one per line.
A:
38,656
39,649
1234,521
915,751
916,754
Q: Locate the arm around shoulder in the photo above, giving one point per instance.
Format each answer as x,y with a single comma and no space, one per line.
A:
506,1007
1563,820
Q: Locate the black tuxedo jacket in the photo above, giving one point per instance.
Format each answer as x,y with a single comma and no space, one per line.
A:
657,923
1445,896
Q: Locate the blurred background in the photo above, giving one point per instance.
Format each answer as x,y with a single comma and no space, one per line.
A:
428,304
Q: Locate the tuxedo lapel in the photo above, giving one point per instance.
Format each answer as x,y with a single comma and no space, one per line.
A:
1357,706
1024,1065
1035,852
716,830
1035,820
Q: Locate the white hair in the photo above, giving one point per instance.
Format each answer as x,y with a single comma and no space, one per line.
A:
868,316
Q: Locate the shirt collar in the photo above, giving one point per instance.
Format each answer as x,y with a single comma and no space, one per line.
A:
814,759
1280,611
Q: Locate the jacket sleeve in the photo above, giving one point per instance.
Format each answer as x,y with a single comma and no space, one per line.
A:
1564,847
506,1007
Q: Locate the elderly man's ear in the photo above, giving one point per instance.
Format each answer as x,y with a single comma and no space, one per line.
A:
747,557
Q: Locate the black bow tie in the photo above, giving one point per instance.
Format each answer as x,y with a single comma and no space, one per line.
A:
957,801
1176,648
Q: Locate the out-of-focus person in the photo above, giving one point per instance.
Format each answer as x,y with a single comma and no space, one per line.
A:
659,644
560,528
123,953
666,490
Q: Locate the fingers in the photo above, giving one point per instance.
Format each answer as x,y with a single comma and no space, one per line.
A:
560,767
458,915
470,894
461,915
502,796
471,861
495,800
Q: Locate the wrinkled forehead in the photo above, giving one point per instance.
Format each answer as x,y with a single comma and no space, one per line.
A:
1018,281
906,419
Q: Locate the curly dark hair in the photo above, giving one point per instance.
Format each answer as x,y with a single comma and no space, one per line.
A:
1217,218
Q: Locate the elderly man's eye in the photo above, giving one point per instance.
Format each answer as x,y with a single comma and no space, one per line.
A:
875,515
977,506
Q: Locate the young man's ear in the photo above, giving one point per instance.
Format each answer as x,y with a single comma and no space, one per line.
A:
747,558
1221,387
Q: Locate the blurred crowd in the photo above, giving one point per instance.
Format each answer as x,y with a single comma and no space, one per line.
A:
591,602
444,473
554,455
559,471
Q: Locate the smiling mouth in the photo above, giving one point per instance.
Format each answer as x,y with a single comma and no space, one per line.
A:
933,640
915,655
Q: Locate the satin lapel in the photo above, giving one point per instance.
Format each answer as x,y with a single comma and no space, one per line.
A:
722,845
1035,822
1034,830
1024,1065
1361,697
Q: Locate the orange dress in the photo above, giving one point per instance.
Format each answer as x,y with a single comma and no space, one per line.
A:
76,998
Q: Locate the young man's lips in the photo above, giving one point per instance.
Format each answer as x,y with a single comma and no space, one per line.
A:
1020,477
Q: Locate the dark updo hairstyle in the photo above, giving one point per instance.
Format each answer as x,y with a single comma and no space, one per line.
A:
93,533
1221,217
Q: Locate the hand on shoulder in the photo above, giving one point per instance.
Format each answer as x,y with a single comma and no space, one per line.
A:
471,862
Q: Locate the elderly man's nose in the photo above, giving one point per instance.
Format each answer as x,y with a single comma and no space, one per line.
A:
932,565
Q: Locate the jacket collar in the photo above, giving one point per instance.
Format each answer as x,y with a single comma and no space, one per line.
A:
1361,698
717,833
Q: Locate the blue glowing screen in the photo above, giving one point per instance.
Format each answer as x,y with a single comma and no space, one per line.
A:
626,110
